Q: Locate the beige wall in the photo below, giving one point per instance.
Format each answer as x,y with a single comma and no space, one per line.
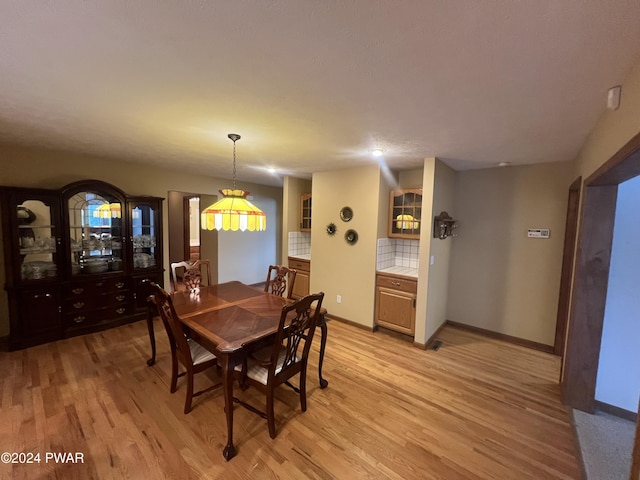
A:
246,255
338,268
500,280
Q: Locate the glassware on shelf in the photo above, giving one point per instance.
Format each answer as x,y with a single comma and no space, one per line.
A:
37,270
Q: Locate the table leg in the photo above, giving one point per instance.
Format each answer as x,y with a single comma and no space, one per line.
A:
227,378
323,343
151,312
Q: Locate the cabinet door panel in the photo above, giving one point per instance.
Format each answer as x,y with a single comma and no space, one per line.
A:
40,311
301,285
395,310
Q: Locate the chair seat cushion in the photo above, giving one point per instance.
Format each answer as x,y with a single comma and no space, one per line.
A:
257,372
199,354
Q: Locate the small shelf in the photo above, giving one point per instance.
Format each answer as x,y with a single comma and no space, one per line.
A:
443,226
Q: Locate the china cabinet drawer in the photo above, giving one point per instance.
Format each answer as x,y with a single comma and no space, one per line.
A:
97,286
97,301
93,317
397,283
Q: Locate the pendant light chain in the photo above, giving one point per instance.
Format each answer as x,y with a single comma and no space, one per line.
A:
234,137
234,164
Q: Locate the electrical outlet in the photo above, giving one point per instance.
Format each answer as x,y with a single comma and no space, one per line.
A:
339,298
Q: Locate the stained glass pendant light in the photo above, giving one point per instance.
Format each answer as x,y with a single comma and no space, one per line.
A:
233,211
108,210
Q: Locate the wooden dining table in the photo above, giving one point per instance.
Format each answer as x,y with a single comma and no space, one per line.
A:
231,320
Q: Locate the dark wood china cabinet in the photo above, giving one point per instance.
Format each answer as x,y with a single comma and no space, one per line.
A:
78,259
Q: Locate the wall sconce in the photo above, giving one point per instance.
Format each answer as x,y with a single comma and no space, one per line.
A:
443,226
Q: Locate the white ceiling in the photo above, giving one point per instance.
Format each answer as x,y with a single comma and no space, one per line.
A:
312,85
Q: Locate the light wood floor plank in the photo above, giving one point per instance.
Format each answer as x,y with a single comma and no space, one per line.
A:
478,408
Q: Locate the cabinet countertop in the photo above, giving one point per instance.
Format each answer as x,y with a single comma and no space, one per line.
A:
302,256
411,273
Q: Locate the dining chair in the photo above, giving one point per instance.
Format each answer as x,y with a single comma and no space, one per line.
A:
193,356
275,365
189,275
279,279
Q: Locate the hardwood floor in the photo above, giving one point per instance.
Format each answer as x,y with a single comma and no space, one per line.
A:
478,408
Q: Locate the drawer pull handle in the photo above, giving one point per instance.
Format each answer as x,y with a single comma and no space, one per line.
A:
78,305
77,291
397,284
79,319
99,284
42,295
120,298
120,311
119,284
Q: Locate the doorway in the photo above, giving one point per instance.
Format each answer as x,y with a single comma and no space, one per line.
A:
591,275
191,206
568,257
184,215
591,278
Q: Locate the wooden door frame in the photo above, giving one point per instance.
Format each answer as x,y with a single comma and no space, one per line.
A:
591,278
186,224
568,258
591,275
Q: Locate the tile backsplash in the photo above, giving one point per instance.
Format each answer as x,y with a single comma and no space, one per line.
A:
397,252
299,243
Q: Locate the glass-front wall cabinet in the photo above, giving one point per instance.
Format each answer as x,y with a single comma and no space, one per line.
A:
305,213
96,233
38,238
405,213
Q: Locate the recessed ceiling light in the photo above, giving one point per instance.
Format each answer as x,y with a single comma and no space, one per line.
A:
377,152
271,170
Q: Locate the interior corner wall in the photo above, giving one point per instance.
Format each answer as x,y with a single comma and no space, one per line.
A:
428,187
440,250
338,268
614,128
388,182
501,280
293,188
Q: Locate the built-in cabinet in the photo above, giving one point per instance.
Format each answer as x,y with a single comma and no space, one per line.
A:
78,259
396,303
305,212
405,213
303,272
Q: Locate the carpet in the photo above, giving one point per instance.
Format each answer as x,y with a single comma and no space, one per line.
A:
606,442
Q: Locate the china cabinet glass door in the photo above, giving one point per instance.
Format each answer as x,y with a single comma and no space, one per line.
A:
144,220
95,233
38,232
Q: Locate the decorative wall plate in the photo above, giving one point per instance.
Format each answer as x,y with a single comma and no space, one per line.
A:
346,214
351,237
332,229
